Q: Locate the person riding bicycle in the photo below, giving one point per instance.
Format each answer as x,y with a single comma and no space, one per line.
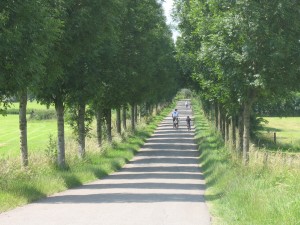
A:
175,116
186,104
188,122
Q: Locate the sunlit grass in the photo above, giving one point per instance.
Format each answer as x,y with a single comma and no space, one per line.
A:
38,132
287,134
245,195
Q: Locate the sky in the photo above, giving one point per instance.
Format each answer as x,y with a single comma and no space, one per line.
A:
167,5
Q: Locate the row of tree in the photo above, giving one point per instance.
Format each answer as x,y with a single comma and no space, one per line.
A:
240,54
88,56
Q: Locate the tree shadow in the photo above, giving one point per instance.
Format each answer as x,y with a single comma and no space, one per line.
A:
106,198
27,192
211,198
99,173
70,180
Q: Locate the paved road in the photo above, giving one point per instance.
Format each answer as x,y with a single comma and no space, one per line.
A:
162,185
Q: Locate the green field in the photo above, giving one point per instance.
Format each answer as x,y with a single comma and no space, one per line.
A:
38,134
287,133
38,131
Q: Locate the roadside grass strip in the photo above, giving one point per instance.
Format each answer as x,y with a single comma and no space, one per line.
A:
245,195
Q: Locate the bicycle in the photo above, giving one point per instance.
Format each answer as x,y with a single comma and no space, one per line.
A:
188,126
188,122
176,123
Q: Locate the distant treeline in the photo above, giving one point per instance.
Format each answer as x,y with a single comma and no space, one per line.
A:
287,106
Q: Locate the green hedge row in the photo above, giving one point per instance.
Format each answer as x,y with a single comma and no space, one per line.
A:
36,114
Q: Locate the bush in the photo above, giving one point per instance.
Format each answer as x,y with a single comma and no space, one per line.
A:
183,94
12,111
39,114
35,114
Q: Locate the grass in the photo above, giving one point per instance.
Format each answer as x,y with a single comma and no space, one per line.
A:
245,195
38,132
287,134
42,178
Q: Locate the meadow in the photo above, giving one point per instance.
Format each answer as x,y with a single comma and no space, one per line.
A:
287,134
39,131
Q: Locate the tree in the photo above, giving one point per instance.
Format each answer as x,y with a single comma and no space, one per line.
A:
147,40
27,31
237,53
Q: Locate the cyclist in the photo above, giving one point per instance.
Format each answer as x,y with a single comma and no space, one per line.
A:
175,116
188,122
186,104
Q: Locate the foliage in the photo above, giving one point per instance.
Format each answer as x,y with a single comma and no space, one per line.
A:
51,149
27,31
288,105
240,53
72,120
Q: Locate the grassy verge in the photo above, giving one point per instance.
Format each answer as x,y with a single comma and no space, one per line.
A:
236,194
42,178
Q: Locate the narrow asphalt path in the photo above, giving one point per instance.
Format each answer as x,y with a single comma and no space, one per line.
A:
162,185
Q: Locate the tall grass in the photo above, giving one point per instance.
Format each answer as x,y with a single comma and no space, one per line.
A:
42,178
237,194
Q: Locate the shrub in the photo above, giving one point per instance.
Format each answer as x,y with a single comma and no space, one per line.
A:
39,114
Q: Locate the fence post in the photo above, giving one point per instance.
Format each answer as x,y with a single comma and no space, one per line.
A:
275,137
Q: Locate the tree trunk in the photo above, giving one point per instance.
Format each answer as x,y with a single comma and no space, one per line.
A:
233,133
148,109
124,117
211,112
216,116
223,118
246,136
219,119
136,114
132,117
81,130
108,124
59,107
118,121
23,127
227,123
151,110
99,118
140,114
239,143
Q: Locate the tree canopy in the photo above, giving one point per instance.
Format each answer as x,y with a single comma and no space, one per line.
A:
79,55
240,52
